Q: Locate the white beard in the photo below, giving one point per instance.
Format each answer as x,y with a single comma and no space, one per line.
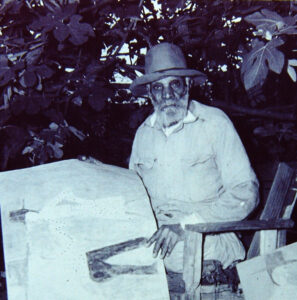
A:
170,115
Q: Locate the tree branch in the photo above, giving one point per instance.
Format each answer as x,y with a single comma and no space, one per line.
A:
265,113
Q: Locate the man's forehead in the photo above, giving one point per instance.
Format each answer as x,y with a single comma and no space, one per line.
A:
167,79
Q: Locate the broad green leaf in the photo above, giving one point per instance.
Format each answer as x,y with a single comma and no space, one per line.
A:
7,95
77,101
274,57
98,97
61,47
44,71
27,150
9,92
290,30
18,104
291,26
53,126
39,83
44,101
292,73
266,20
46,23
292,62
22,82
6,72
61,32
32,107
5,76
58,153
290,20
263,56
32,56
63,13
19,65
29,79
79,31
3,61
131,10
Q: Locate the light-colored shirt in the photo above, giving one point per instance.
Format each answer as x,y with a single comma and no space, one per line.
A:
200,172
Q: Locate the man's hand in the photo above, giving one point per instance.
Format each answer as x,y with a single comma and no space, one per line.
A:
165,239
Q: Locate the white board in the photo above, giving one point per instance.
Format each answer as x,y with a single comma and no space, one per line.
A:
272,276
53,214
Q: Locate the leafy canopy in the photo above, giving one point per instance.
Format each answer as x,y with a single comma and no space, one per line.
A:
64,65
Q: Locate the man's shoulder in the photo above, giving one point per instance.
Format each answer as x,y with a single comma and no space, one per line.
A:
144,127
207,113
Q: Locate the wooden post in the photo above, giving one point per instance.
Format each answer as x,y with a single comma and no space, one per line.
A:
276,201
192,264
282,234
268,241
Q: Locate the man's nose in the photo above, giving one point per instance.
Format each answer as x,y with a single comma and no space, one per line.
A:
167,92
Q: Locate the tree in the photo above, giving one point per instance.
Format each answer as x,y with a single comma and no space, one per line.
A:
60,61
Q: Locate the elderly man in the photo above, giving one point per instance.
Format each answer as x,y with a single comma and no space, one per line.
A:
190,160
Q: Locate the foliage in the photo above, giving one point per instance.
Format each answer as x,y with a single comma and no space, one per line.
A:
265,55
60,64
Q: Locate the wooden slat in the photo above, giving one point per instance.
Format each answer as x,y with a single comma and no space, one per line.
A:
268,241
192,264
287,212
275,203
277,196
240,226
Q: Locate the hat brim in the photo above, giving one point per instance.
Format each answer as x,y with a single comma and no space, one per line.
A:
138,86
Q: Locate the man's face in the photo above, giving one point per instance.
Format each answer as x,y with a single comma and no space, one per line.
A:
170,96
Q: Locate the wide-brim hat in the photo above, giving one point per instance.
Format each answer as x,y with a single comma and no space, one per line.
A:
163,60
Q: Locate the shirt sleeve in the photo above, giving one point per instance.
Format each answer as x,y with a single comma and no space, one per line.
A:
238,195
133,153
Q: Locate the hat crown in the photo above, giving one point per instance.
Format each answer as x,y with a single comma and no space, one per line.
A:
164,56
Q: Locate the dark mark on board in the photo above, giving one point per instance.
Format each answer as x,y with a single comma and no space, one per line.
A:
101,271
19,215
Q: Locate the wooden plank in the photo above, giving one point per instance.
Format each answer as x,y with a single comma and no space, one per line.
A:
272,276
192,264
278,192
275,203
268,241
288,210
240,226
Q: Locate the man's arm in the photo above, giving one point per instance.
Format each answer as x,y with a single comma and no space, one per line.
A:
133,153
239,194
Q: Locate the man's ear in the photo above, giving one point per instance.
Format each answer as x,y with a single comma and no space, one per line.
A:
148,89
189,82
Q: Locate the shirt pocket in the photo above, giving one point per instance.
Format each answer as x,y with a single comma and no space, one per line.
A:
145,164
201,169
197,160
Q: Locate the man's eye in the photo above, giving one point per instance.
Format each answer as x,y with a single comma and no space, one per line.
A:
176,83
157,87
